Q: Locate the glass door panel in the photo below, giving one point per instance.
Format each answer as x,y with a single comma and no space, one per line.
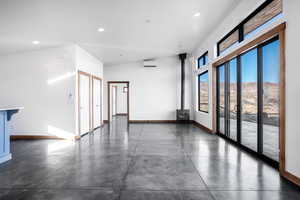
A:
270,105
232,88
249,99
221,98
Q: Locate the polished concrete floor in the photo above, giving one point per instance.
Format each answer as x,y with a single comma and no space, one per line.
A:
139,162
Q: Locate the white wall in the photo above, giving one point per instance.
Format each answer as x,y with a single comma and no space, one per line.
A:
86,62
24,81
234,18
44,82
291,11
121,99
291,16
154,92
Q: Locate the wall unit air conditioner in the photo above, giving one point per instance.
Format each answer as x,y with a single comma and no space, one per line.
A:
150,63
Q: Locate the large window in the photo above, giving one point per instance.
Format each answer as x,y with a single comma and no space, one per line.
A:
203,92
267,13
248,99
203,60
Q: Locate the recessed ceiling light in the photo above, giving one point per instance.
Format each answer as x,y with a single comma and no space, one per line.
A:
197,14
35,42
100,29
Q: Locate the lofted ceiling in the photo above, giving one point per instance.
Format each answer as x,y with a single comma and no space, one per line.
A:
133,29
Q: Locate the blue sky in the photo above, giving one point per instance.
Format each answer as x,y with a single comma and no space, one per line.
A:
249,65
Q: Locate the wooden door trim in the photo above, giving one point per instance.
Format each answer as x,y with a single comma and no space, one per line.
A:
78,98
99,79
108,98
116,88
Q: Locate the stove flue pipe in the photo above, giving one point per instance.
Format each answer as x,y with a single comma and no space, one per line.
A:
182,58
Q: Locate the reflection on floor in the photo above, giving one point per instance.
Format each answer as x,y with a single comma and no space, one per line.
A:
140,161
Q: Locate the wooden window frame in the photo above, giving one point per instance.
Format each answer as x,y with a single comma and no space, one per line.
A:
240,26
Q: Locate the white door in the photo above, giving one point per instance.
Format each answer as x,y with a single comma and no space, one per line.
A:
97,103
84,107
114,100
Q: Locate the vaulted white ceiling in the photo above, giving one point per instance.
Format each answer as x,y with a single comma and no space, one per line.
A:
134,29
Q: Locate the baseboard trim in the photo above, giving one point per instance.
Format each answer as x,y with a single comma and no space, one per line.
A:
153,121
294,179
202,127
121,114
35,137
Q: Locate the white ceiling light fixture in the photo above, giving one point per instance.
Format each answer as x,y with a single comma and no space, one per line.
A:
197,14
100,29
35,42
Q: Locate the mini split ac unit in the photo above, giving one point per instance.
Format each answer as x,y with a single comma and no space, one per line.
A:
150,63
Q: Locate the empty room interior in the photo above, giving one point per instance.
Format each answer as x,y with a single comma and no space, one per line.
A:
149,100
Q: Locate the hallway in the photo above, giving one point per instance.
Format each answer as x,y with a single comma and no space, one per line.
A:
139,161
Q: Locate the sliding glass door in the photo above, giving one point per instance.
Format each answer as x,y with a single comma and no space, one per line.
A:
221,99
233,100
270,99
248,99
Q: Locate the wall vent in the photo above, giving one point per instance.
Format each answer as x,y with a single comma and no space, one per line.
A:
150,63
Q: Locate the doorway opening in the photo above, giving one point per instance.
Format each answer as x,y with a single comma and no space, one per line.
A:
118,99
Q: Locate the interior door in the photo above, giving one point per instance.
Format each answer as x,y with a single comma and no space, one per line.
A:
84,103
97,112
114,100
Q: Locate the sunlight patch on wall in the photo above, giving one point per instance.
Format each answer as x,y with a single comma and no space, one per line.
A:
60,78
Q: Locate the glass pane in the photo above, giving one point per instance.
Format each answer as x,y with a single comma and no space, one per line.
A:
206,59
200,62
222,99
270,115
233,99
264,16
249,99
263,26
203,84
229,41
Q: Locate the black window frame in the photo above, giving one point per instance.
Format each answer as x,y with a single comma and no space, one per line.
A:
240,26
199,75
204,57
238,142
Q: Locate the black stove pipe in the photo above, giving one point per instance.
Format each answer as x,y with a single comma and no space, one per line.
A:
182,57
